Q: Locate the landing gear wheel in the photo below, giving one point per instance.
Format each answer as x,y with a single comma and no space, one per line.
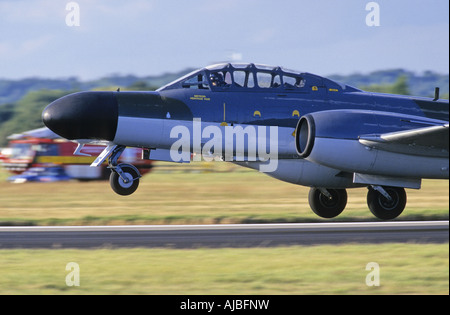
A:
327,206
382,207
126,184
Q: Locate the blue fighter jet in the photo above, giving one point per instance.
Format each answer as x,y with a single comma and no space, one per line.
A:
297,127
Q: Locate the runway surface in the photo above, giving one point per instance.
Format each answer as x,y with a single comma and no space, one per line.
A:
219,236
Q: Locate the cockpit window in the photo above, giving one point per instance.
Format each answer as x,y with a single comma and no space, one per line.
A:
244,79
276,81
293,82
268,80
242,76
239,78
264,80
250,80
196,82
228,79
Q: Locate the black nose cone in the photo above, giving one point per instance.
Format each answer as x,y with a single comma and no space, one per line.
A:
84,115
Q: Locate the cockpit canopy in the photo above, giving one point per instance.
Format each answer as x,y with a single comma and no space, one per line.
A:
250,77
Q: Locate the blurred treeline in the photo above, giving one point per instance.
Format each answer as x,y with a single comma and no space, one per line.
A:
22,101
399,81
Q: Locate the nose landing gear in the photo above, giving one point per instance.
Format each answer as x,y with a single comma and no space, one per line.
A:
124,178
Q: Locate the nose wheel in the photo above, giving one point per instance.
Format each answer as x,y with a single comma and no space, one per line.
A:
124,178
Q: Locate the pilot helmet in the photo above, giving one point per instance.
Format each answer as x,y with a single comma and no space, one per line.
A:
216,79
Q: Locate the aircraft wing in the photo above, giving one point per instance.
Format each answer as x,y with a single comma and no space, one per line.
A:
428,141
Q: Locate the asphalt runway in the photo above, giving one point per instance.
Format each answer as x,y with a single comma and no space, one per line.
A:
220,236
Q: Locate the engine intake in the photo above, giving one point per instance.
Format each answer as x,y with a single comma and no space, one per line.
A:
305,134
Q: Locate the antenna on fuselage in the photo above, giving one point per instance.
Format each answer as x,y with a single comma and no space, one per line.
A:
436,94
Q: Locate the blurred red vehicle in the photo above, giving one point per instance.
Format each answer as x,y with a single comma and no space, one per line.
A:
42,148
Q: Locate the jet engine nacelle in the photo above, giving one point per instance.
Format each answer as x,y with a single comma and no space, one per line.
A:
331,138
342,125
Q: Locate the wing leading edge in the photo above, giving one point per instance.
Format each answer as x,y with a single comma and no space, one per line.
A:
428,141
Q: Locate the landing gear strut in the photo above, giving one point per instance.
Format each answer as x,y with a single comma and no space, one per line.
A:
124,178
327,203
386,203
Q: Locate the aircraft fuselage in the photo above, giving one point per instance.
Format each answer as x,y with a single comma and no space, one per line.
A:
297,127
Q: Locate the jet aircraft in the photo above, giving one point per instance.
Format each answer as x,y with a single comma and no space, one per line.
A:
297,127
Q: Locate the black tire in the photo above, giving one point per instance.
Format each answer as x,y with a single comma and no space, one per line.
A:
325,207
384,209
118,184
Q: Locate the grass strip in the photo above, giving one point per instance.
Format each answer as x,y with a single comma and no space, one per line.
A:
403,269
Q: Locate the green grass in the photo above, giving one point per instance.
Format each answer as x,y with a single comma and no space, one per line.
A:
176,197
404,269
192,198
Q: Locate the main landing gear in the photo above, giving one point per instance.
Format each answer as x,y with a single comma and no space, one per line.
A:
386,203
124,178
327,203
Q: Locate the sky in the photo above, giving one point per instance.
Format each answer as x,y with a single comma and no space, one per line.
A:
90,39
